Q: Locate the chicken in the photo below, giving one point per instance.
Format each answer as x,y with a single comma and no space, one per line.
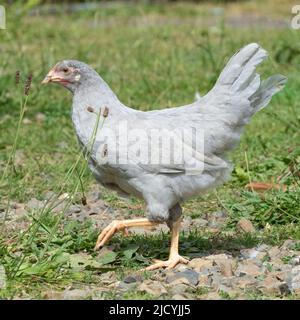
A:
164,156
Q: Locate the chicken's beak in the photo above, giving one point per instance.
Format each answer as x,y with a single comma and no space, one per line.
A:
46,80
51,77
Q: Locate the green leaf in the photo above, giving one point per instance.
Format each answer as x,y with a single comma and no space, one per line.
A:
79,261
108,257
140,258
78,275
241,174
62,258
128,253
37,269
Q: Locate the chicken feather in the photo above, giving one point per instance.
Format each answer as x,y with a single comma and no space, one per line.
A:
219,116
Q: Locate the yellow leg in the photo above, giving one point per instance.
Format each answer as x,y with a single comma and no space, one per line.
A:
121,225
174,257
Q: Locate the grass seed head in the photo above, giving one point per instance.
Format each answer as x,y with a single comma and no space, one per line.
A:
28,85
17,78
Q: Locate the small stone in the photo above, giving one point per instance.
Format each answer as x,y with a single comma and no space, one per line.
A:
295,261
2,278
40,117
16,205
211,296
35,204
274,252
108,278
296,270
181,267
80,217
286,268
93,196
217,219
271,285
178,297
76,294
204,280
249,253
247,268
227,267
294,281
246,282
263,247
279,275
179,288
228,281
50,195
221,214
59,207
20,157
132,279
64,196
216,257
214,270
186,223
262,257
215,281
96,208
152,287
26,121
200,264
73,209
288,244
199,223
214,225
18,211
52,295
4,215
225,289
245,226
187,276
125,286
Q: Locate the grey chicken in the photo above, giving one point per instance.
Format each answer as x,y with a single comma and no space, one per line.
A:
144,165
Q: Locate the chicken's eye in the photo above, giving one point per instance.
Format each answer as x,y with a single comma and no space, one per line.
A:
65,70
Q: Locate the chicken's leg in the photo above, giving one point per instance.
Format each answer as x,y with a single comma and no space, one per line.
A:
121,225
174,257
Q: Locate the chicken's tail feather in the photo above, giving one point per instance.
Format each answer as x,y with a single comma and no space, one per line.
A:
239,78
267,89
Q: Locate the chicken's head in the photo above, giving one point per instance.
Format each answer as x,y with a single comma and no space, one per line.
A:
70,74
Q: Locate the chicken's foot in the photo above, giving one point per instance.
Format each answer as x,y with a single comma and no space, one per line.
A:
121,225
174,257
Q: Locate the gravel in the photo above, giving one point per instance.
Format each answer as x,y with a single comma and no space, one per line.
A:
273,271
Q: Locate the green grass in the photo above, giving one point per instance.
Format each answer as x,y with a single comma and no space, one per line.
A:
150,62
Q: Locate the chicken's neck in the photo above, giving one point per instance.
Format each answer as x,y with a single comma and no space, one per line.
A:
88,101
